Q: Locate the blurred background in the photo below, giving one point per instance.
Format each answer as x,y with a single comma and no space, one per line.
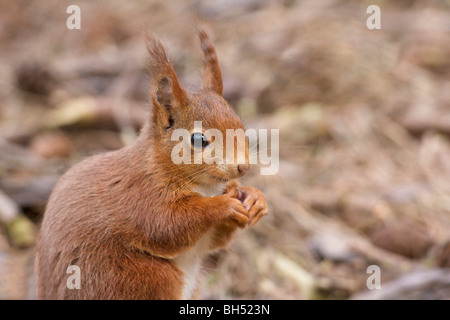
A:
364,119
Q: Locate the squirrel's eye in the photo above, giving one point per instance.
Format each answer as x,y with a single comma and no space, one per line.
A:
199,140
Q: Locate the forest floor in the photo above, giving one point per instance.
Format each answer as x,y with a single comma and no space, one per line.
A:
363,117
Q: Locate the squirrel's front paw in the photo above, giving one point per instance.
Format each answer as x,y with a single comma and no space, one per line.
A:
253,200
235,214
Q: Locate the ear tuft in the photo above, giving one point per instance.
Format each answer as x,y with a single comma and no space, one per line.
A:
165,87
212,75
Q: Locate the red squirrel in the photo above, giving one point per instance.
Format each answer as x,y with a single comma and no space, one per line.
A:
136,224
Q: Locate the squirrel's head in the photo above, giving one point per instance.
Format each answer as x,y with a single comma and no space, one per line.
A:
189,129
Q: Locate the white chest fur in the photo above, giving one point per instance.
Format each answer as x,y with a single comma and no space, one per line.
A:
189,262
210,191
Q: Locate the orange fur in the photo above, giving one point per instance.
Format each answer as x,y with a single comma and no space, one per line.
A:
127,218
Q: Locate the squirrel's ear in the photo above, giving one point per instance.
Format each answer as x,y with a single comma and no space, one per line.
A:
166,92
212,76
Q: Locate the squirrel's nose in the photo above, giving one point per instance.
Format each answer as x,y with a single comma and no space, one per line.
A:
243,168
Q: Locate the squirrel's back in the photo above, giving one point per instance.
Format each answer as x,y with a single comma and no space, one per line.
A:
87,224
